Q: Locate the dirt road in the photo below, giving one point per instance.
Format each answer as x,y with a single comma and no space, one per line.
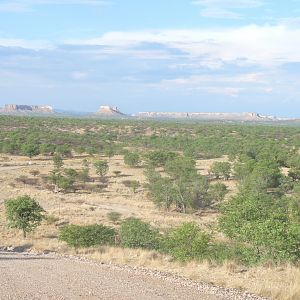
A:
29,276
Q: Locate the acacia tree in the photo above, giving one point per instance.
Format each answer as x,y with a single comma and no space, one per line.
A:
101,167
23,213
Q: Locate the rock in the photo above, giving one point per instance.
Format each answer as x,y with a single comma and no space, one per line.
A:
213,116
15,108
109,111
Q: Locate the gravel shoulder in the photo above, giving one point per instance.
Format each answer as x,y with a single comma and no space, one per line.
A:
49,276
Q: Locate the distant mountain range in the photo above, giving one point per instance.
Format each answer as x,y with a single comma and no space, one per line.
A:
114,112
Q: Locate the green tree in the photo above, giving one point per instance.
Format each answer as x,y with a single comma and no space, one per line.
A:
23,213
30,150
132,159
57,162
160,158
101,167
271,225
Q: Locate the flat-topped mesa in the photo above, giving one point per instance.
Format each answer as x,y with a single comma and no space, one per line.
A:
249,116
106,110
11,108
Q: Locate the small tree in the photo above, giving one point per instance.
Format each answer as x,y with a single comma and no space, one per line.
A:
101,167
133,184
109,152
132,159
30,150
221,169
84,174
23,213
57,162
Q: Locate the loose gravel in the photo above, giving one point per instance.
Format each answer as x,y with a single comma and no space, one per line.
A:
53,276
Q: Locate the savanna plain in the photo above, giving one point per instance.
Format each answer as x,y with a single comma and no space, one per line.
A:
213,202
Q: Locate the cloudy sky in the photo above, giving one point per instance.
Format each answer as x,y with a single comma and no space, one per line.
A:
158,55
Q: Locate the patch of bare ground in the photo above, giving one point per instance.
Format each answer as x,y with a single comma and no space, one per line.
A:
88,208
31,276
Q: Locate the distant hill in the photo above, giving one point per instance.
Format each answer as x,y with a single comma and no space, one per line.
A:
26,109
209,116
109,111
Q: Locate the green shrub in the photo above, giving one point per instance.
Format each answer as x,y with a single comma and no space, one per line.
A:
187,242
114,216
270,225
230,251
221,169
87,236
135,233
132,159
159,158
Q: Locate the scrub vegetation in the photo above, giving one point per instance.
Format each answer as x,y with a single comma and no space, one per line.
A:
201,194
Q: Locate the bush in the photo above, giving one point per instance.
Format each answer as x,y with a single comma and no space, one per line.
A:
187,242
114,216
270,225
137,234
221,169
87,236
133,184
159,158
220,252
132,159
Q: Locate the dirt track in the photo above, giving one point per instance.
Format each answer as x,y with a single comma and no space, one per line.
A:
29,276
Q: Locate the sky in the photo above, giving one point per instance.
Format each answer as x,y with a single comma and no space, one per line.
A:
152,55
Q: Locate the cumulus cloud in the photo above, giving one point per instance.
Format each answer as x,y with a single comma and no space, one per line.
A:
268,45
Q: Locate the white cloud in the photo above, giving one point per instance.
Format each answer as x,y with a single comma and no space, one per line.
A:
228,85
224,9
196,80
259,45
26,5
26,44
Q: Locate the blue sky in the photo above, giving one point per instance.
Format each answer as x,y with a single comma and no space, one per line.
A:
158,55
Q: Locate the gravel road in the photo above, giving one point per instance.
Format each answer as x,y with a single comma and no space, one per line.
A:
32,276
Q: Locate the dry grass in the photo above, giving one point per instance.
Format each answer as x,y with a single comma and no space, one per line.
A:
83,208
